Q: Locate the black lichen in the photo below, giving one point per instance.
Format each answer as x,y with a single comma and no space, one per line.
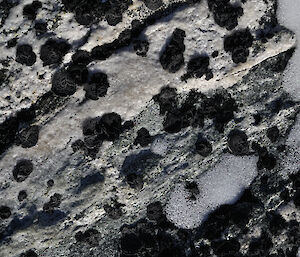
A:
89,12
5,212
30,10
225,14
50,183
78,72
22,195
12,42
97,86
197,67
172,58
29,253
141,47
55,201
155,211
28,137
238,142
40,28
25,55
143,137
81,57
203,146
22,170
237,44
153,4
90,236
273,134
63,84
113,209
53,51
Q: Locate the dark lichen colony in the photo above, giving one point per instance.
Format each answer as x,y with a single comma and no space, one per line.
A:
110,106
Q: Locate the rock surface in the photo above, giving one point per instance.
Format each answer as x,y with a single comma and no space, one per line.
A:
147,128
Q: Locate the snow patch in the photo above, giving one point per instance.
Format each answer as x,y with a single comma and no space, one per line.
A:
289,16
221,185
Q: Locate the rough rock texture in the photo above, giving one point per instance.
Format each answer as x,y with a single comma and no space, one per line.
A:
147,128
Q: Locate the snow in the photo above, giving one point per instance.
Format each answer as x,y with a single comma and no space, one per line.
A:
289,16
220,185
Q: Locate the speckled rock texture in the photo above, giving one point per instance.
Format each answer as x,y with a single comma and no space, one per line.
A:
138,128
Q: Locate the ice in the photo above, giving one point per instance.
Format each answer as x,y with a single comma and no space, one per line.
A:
289,16
222,184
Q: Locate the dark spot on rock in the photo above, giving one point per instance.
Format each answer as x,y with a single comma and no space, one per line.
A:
89,126
78,72
143,137
167,99
193,189
29,253
5,7
238,142
22,170
50,183
8,130
90,236
238,44
203,146
130,243
12,42
273,134
281,148
93,141
196,67
40,28
285,195
102,52
141,47
297,198
257,119
172,58
110,126
3,76
129,124
135,180
155,211
30,10
114,209
81,57
28,137
55,201
97,86
25,55
53,51
276,222
225,14
266,160
173,122
78,145
153,4
226,247
215,54
5,212
22,195
63,84
209,75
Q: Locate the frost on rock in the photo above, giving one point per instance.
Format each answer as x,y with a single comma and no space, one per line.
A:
220,185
